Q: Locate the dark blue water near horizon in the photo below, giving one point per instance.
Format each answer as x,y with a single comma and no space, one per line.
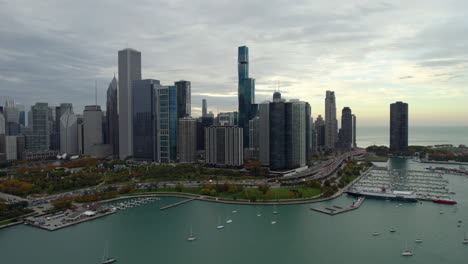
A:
420,135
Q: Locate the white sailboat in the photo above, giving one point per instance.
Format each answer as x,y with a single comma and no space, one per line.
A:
220,226
465,240
191,237
407,252
275,211
228,221
105,258
418,240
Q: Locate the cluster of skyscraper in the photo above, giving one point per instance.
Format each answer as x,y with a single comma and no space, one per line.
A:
145,120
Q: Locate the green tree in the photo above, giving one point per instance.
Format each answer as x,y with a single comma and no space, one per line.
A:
179,187
263,188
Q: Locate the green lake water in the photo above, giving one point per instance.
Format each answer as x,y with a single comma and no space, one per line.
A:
147,235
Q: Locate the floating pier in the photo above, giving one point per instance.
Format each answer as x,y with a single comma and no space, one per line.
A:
176,204
355,205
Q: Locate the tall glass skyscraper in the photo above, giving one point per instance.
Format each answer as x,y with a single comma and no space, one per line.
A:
398,127
144,119
184,104
331,123
246,93
112,117
166,112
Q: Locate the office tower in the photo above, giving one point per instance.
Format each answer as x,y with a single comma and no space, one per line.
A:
184,101
11,112
254,138
30,119
129,71
166,112
227,119
10,148
92,128
224,146
331,123
144,119
187,140
40,138
20,146
320,128
399,127
284,140
346,131
68,133
112,117
354,132
204,108
246,92
56,134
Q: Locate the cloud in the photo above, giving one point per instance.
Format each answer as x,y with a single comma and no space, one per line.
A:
368,52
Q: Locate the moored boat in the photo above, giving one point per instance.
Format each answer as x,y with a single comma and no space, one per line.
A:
444,201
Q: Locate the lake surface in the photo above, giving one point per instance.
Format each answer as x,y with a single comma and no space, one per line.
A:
425,136
147,235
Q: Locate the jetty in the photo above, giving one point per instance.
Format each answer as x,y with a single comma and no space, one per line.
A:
355,205
176,204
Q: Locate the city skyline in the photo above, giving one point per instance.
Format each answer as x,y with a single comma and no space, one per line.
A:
368,67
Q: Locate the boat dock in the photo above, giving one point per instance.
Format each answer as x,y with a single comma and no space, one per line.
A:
176,204
356,204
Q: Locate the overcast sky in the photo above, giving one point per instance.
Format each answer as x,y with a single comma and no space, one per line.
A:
370,53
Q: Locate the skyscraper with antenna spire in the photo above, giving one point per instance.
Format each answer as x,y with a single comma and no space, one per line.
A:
246,93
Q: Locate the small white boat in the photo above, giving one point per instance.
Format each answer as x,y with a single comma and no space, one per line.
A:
220,226
465,240
376,234
418,240
273,222
191,237
441,212
105,258
228,221
392,230
234,211
259,214
407,252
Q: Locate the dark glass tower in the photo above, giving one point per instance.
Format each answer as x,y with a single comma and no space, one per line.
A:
246,93
112,117
398,127
346,136
144,121
183,99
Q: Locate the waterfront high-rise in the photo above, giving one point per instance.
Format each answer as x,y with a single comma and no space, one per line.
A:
184,101
398,127
285,142
129,71
112,117
204,108
246,92
223,146
331,123
144,119
56,133
346,131
187,140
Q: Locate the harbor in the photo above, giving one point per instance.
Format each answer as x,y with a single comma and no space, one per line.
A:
409,185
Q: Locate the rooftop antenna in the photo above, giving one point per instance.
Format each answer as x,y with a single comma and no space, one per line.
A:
95,91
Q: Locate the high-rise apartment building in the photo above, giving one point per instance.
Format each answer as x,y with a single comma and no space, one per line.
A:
354,144
346,131
399,127
320,129
40,137
331,123
112,117
187,140
184,101
56,133
129,71
11,112
254,138
224,146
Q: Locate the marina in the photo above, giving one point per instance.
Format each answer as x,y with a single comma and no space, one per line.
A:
409,185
